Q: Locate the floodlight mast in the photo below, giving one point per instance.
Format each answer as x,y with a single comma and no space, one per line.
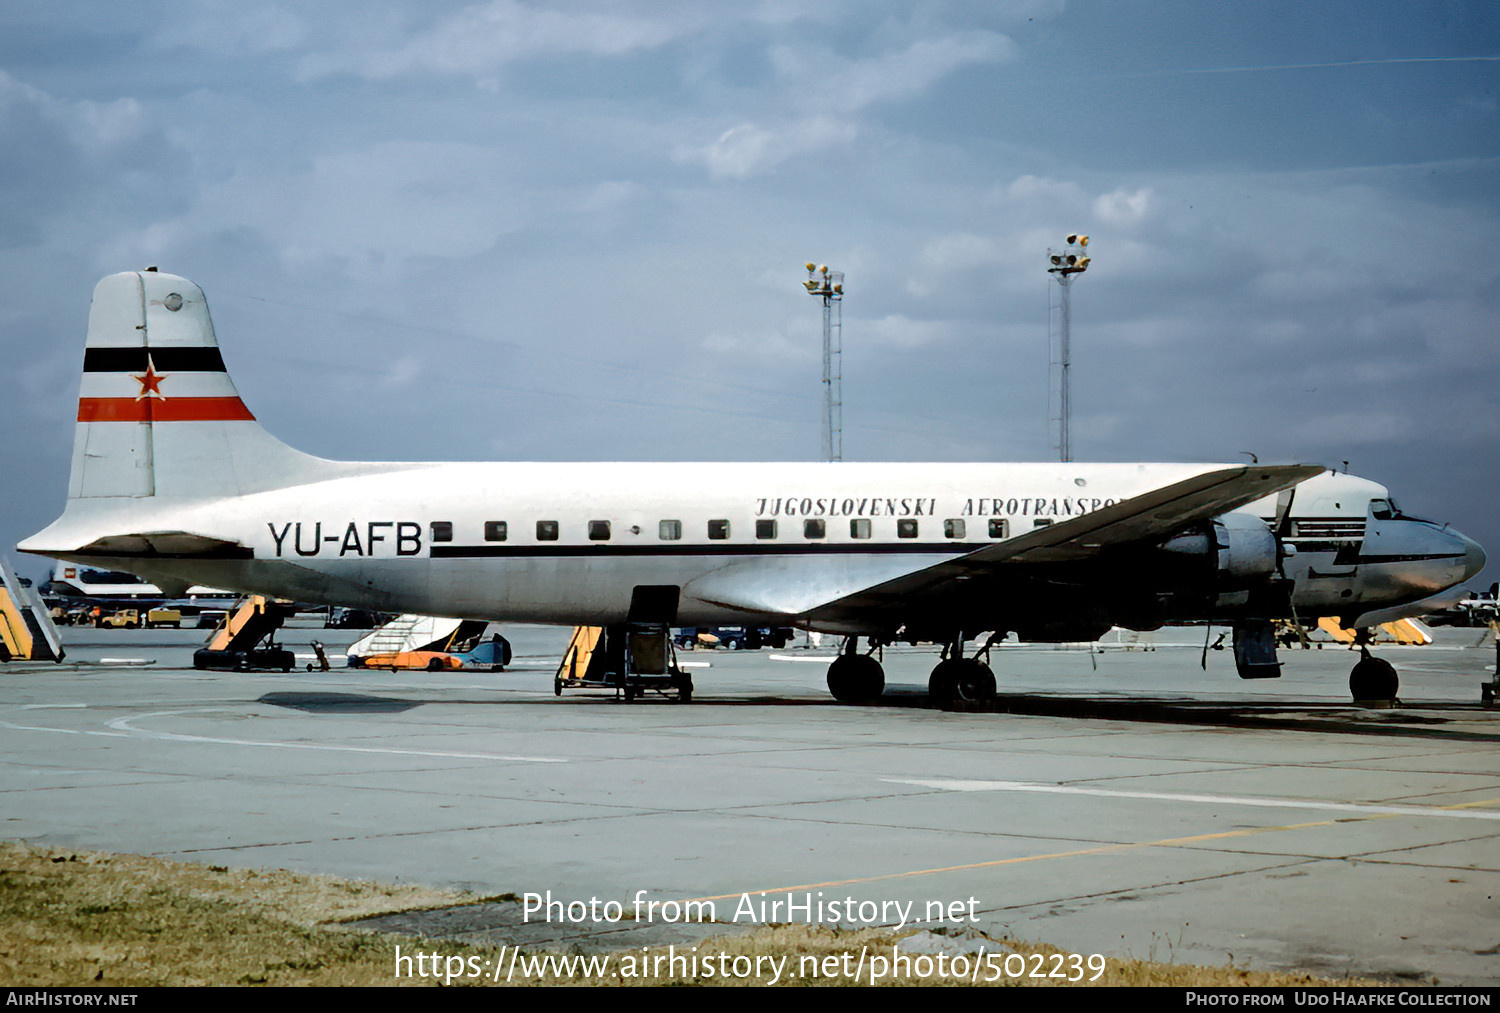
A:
1065,265
830,285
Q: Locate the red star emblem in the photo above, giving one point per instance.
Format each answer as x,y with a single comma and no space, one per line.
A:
150,382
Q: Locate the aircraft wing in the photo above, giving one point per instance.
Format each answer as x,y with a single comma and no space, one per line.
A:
1143,519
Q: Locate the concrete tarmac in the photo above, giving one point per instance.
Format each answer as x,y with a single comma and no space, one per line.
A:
1119,802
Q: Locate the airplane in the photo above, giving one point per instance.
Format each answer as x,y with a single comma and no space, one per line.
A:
82,586
174,479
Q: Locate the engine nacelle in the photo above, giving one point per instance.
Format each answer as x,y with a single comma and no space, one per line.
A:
1248,553
1216,565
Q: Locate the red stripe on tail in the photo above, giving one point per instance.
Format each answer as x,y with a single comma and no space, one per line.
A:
177,409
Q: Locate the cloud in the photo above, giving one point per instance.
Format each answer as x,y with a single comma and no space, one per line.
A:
480,39
1384,425
230,28
951,256
85,161
1039,188
764,346
898,331
390,200
749,150
812,76
818,75
1124,208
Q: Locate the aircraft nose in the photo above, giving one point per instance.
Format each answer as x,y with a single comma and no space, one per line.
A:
1474,557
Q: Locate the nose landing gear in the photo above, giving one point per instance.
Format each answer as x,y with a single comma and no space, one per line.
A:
1373,679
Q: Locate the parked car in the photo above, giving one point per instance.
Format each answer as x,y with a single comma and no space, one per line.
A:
732,638
132,619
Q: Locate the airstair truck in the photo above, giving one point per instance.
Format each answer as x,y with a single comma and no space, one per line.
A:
235,645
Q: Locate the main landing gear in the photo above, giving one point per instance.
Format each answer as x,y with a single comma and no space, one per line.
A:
855,677
957,679
860,678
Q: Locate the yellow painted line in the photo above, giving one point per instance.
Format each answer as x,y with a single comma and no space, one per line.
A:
1253,801
1471,805
1103,849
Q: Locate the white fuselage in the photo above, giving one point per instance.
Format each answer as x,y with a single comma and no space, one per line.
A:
568,543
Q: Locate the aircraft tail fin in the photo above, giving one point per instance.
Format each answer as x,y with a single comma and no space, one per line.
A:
158,414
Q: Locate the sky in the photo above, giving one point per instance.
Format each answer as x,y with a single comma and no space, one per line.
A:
575,231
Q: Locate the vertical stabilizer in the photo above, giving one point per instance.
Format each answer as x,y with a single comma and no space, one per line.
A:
158,414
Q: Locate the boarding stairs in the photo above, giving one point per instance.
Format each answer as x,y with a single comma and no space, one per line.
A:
631,659
26,629
407,633
234,646
1408,631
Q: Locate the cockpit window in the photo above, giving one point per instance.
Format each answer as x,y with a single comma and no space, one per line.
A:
1387,510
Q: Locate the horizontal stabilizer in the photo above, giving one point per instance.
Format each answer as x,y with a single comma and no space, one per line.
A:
166,545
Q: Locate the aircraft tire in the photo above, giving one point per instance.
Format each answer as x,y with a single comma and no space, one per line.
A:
856,678
1374,679
965,679
435,665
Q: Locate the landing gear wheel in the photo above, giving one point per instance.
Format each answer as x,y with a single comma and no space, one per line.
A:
856,678
965,679
557,687
1373,679
685,689
630,693
435,665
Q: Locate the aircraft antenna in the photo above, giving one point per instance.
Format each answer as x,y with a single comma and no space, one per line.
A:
830,286
1065,265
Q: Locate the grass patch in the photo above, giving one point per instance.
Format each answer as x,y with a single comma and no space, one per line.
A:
82,918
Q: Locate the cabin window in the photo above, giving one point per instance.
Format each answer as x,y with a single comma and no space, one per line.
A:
906,527
494,531
999,527
953,528
765,529
669,531
598,531
546,531
859,528
815,527
718,530
1042,522
442,531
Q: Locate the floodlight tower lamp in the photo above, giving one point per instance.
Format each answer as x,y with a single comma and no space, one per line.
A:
1065,265
830,286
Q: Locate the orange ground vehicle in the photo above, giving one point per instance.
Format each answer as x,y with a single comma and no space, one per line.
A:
490,655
